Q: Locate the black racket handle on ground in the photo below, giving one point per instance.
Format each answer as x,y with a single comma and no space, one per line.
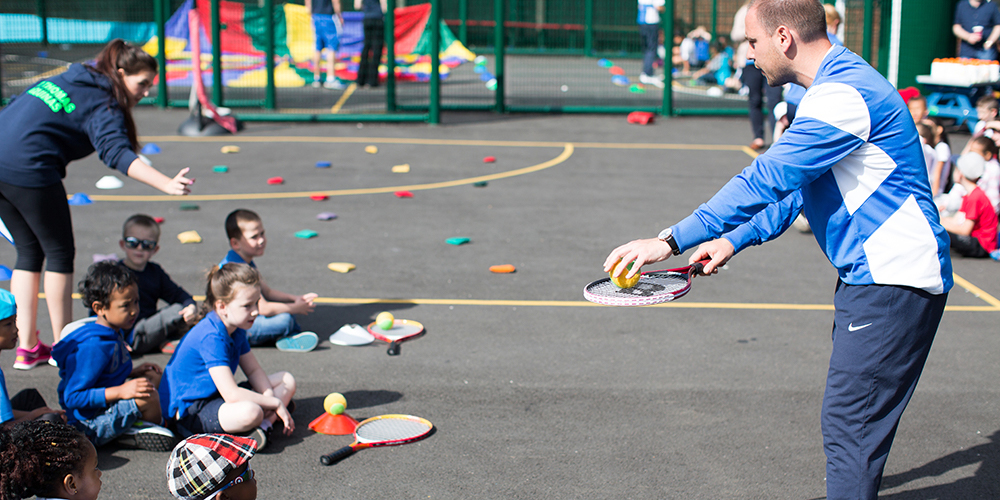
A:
393,349
332,458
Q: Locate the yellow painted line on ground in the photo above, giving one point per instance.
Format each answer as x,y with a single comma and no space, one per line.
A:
978,292
442,142
343,99
566,153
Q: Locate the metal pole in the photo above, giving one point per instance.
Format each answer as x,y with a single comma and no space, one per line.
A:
216,54
588,27
715,20
390,55
463,17
40,8
866,45
668,43
434,113
499,10
269,54
161,52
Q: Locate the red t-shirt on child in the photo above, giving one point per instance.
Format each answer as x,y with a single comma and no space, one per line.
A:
977,208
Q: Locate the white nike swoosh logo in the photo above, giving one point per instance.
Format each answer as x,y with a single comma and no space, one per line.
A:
852,328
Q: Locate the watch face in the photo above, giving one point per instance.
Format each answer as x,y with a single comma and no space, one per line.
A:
666,233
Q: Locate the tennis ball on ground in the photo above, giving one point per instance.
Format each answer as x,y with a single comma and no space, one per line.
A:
384,320
621,281
335,403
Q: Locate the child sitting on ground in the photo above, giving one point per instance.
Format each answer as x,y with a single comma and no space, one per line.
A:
103,395
27,404
213,466
973,229
153,328
47,460
199,388
275,325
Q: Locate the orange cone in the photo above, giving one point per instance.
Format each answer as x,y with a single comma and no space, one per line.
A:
334,425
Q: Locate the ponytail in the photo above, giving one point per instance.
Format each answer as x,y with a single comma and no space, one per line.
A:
119,54
35,457
223,282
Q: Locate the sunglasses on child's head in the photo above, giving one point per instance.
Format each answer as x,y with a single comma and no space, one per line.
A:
132,242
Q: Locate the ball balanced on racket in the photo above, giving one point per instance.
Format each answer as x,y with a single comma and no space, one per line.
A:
622,281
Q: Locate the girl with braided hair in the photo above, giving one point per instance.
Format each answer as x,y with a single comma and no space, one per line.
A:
47,460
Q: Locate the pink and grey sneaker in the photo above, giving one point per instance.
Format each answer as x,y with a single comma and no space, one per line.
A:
30,358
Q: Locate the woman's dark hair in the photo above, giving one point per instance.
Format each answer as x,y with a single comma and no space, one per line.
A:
938,122
119,54
102,279
35,457
223,282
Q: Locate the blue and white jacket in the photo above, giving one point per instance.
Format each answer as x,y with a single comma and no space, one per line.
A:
853,161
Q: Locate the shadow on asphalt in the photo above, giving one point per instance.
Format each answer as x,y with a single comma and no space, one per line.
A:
985,483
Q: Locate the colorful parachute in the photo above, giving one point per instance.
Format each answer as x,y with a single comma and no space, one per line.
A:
243,45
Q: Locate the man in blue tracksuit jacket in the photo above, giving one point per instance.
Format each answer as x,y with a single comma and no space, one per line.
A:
852,160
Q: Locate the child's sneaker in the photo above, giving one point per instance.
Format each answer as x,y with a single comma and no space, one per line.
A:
260,436
334,84
148,436
316,84
30,358
302,342
995,255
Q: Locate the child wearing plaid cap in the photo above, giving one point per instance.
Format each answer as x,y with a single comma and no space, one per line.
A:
212,467
27,404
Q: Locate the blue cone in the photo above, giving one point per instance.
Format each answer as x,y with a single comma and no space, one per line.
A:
80,199
5,273
150,149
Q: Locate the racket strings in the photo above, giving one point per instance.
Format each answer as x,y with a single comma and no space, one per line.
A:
390,429
649,284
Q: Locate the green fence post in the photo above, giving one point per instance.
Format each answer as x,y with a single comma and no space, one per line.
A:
269,54
390,56
216,54
715,19
434,113
499,11
588,27
40,9
668,42
866,44
463,18
161,52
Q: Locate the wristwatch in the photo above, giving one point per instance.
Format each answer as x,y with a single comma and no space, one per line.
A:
667,236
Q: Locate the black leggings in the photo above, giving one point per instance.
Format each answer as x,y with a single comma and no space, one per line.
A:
761,95
39,221
371,53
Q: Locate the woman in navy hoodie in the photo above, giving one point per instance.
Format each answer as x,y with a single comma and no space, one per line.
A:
61,119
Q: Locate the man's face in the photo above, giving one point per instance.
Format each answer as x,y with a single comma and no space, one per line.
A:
766,53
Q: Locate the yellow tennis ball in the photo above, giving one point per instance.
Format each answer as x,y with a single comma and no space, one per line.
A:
384,320
333,401
622,281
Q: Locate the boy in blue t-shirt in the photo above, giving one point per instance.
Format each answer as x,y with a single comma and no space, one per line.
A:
103,395
27,404
275,325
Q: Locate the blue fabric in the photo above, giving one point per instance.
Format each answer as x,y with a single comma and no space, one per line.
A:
61,119
322,7
91,359
233,257
326,32
986,16
794,93
111,423
881,338
648,36
6,411
854,153
372,9
267,330
8,306
155,285
186,378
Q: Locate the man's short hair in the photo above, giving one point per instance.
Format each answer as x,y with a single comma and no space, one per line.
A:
806,17
140,220
234,219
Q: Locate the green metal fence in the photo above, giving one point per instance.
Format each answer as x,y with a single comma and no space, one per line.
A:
531,55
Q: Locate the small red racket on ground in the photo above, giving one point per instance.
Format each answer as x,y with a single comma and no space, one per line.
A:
654,287
384,430
402,329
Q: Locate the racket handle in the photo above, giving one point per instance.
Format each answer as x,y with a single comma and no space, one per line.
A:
393,349
698,268
332,458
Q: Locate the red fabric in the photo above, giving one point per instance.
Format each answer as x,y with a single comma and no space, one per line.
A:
234,37
194,22
640,117
410,23
908,93
977,207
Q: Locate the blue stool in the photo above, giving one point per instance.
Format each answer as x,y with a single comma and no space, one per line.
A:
953,105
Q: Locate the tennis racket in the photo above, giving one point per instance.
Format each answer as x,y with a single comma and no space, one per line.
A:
384,430
654,287
402,329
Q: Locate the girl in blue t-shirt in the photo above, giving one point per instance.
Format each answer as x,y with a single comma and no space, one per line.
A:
199,390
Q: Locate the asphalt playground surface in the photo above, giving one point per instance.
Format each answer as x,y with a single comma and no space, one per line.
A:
534,392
